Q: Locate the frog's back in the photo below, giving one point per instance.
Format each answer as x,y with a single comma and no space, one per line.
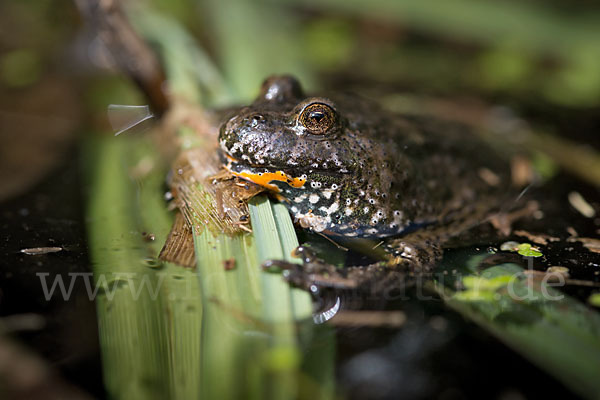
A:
415,171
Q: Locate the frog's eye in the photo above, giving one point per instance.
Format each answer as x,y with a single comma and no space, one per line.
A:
318,118
280,88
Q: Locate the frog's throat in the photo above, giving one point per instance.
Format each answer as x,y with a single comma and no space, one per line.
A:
264,179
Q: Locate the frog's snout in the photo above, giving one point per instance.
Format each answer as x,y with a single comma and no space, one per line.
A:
229,134
249,137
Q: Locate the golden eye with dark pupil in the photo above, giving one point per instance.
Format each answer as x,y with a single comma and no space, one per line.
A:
318,118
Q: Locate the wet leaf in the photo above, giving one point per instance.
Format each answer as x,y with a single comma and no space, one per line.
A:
526,250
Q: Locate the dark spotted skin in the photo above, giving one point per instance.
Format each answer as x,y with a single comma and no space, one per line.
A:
367,172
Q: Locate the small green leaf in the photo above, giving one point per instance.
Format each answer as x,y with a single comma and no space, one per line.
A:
475,295
526,250
480,283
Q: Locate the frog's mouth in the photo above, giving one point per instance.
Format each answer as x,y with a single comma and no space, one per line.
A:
262,178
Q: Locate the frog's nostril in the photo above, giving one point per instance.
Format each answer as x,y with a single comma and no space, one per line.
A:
256,119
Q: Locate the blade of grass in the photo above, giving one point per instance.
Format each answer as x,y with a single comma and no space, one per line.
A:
128,322
301,304
277,301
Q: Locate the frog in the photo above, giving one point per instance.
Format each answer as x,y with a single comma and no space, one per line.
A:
350,170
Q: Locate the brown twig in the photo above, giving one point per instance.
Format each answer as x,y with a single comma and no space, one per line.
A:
129,52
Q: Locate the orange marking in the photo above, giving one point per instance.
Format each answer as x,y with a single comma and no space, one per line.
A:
265,178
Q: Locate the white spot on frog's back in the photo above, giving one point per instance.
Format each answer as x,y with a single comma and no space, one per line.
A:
314,198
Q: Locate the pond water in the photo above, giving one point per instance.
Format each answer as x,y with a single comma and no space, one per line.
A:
436,352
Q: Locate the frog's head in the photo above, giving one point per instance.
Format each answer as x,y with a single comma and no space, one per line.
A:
317,154
299,146
285,137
